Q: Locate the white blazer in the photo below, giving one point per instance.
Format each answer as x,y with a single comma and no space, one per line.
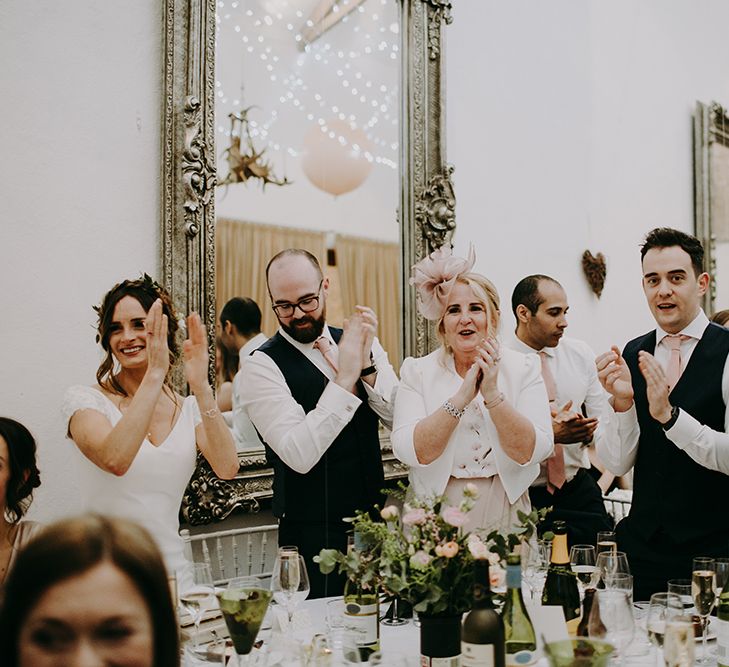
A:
428,382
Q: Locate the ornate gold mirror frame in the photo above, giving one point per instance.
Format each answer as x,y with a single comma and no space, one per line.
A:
711,188
426,211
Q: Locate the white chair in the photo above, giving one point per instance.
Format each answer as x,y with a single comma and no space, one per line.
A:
618,503
234,553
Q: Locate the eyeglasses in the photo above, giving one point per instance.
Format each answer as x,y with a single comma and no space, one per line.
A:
306,305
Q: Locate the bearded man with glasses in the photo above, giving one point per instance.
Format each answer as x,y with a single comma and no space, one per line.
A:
315,394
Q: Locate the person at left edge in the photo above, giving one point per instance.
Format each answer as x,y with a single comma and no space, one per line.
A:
316,404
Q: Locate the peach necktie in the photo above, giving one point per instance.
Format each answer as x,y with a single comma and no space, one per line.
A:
324,345
674,367
555,464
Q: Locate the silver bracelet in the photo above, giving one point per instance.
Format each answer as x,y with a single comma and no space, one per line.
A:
494,402
210,414
452,410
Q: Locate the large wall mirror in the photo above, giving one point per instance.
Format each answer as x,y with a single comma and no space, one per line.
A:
344,98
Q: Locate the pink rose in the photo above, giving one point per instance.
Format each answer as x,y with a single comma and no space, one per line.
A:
420,559
454,516
477,548
447,550
414,517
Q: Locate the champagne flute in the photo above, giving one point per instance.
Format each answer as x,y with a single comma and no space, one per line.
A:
678,645
198,595
722,574
606,542
703,593
290,581
611,618
244,603
662,607
582,560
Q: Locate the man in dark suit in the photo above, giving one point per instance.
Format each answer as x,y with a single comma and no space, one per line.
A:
670,391
315,394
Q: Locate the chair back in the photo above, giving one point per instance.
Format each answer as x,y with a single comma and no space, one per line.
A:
240,552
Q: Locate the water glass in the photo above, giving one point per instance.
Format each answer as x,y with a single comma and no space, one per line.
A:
335,613
197,595
662,608
611,619
678,644
682,588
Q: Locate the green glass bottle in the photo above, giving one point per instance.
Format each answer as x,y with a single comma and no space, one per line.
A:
519,635
722,629
362,616
482,635
560,587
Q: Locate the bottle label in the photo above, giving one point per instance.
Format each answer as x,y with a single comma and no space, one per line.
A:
521,658
426,661
477,655
722,641
513,576
362,620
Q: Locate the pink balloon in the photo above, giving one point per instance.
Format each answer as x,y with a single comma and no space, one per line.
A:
336,165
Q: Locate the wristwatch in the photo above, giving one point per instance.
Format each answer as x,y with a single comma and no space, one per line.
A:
674,416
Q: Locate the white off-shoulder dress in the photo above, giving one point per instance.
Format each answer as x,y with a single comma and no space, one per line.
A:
151,491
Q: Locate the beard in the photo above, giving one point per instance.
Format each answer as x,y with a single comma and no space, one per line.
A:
307,328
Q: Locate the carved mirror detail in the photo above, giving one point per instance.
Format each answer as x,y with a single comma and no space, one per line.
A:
426,208
711,193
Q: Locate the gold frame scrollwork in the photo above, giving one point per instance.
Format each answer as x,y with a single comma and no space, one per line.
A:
187,253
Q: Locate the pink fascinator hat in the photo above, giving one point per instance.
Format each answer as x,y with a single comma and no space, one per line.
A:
435,276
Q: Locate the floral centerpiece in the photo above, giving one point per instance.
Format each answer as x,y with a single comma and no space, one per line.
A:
423,555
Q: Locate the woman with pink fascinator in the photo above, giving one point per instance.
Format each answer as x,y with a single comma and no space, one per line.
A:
471,411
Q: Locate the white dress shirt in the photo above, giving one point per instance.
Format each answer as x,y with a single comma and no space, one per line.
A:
426,383
244,434
299,438
572,364
707,447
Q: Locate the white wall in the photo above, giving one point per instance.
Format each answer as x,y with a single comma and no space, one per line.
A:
569,123
80,83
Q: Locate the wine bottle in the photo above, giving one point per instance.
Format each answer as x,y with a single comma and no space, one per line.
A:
560,587
583,627
722,629
362,616
519,637
482,635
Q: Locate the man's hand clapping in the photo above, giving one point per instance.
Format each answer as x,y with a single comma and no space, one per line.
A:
614,375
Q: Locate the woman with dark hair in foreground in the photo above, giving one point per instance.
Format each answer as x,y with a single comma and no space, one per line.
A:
90,590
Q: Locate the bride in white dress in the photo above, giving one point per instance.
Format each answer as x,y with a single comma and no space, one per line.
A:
136,439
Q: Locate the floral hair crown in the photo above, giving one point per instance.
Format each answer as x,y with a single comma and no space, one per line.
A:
146,282
435,277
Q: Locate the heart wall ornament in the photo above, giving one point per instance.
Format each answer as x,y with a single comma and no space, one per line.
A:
595,268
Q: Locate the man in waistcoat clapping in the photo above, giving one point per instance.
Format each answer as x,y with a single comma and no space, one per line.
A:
316,395
670,391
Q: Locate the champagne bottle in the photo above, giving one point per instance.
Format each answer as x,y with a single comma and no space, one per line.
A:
583,629
722,629
560,587
520,639
362,616
482,635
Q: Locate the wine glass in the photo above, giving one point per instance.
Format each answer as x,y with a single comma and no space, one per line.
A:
703,594
682,588
610,563
662,607
535,561
582,560
611,619
198,595
395,619
244,603
290,581
606,542
678,644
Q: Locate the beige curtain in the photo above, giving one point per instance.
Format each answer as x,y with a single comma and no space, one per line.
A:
369,275
242,251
